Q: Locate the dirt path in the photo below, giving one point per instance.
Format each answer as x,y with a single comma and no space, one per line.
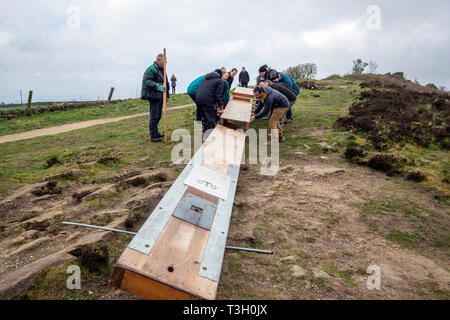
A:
73,126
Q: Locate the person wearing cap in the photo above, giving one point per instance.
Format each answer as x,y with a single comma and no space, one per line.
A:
284,79
210,96
152,90
244,78
270,99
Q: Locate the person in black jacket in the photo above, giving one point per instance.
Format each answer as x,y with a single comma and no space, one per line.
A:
244,78
209,96
270,99
152,90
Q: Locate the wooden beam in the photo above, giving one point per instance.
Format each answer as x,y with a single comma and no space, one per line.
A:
165,97
110,95
30,98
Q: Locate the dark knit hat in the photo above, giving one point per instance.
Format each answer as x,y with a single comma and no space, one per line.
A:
273,74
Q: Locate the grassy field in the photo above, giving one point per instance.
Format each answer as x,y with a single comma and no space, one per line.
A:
311,226
51,119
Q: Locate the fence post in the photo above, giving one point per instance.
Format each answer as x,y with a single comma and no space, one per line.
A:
30,97
110,95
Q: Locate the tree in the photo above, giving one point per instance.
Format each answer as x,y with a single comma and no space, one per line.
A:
359,66
302,71
373,66
310,70
442,88
295,72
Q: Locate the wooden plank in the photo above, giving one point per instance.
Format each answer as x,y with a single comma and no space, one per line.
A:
244,91
174,260
237,97
151,290
238,111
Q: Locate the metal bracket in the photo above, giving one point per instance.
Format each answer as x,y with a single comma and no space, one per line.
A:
197,211
155,224
212,260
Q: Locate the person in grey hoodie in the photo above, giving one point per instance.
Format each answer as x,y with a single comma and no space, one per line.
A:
271,100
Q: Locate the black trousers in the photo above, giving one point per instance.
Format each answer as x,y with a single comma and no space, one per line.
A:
155,116
173,90
209,115
244,85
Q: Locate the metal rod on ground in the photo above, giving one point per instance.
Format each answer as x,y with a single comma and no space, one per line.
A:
135,233
165,97
97,227
250,250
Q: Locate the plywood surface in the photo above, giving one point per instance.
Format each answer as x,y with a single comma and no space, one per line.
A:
244,91
238,111
174,260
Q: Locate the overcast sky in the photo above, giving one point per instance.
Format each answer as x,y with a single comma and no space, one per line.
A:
42,48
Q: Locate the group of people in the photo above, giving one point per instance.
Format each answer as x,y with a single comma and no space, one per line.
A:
276,93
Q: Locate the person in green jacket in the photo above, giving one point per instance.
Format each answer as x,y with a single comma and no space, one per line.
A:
152,90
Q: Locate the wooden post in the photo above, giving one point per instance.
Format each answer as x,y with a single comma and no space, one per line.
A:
110,95
165,97
30,98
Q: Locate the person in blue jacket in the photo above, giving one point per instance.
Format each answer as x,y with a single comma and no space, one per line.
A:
192,92
285,79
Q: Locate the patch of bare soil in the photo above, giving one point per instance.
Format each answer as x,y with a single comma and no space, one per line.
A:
320,216
31,229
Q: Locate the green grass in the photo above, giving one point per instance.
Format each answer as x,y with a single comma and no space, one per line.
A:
25,162
50,119
404,238
345,276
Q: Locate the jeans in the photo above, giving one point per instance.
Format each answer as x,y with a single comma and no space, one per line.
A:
155,116
199,113
244,85
173,90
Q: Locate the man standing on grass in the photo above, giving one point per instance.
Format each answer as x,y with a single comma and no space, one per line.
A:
271,99
210,97
244,78
152,90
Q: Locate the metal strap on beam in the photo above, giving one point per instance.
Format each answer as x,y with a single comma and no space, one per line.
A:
212,260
